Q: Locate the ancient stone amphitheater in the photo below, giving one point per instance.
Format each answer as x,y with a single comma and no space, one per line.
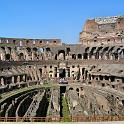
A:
47,80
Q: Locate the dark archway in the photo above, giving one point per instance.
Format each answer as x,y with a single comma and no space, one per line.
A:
21,56
85,56
61,73
70,88
79,56
56,57
61,51
40,71
73,56
7,56
28,49
35,49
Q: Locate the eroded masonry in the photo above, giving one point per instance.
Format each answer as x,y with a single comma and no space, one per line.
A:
45,77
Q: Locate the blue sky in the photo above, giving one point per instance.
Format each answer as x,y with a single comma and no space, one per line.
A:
62,19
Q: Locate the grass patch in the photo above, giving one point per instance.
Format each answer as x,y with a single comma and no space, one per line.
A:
7,44
65,110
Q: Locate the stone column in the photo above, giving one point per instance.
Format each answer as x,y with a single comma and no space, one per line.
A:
88,57
18,79
58,73
24,78
2,82
13,79
66,73
100,57
32,56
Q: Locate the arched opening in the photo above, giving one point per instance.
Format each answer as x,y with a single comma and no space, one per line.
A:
79,56
3,48
54,41
106,78
41,41
103,85
68,50
61,73
105,49
48,49
7,56
89,83
86,50
85,56
93,49
28,49
112,78
27,41
35,49
70,88
14,41
97,55
9,48
123,102
40,71
21,56
100,77
83,69
81,88
40,50
50,73
116,55
77,89
56,57
61,54
73,56
113,86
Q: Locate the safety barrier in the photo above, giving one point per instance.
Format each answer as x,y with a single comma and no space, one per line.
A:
60,119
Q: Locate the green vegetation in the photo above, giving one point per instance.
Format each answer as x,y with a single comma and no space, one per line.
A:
65,110
6,44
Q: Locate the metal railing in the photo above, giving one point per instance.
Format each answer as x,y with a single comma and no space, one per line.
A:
60,119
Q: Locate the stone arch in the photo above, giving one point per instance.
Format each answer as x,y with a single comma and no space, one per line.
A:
93,49
40,70
48,49
86,49
92,52
105,49
21,56
41,50
61,54
85,56
73,56
28,49
123,102
3,48
71,88
79,56
27,41
105,53
56,57
9,48
35,49
77,89
7,56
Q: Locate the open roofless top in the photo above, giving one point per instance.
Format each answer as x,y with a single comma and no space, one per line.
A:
48,78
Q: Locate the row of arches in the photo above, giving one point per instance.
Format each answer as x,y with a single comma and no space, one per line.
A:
112,53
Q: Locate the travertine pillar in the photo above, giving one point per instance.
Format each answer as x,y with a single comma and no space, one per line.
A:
13,79
18,79
2,82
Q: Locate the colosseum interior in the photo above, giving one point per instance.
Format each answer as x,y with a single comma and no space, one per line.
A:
48,80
